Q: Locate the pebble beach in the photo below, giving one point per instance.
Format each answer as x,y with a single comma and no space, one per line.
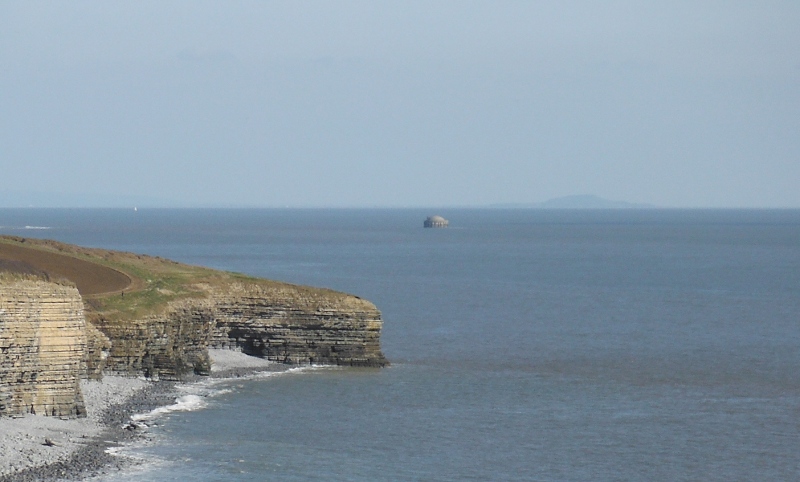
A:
40,448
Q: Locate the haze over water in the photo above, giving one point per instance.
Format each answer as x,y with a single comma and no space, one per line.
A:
526,344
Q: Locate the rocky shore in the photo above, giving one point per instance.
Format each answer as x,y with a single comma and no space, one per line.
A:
86,334
38,448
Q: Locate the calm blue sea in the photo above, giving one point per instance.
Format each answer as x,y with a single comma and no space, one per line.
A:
526,344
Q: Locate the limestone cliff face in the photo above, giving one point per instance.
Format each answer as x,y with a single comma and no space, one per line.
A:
291,324
164,346
97,348
280,322
162,329
42,348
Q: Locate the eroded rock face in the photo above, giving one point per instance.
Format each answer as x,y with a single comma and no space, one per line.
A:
98,347
42,348
165,346
284,323
294,325
47,344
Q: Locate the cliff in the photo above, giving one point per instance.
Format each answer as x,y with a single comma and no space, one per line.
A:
291,324
42,348
284,323
163,346
160,324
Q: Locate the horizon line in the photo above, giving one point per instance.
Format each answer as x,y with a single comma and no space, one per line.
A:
493,206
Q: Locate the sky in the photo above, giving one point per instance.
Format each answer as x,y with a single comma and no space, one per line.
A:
399,104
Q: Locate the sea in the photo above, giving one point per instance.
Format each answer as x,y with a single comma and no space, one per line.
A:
525,344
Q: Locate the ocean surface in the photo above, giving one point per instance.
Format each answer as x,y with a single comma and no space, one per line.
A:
548,345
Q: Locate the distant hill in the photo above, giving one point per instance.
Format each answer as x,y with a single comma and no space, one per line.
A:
579,201
41,199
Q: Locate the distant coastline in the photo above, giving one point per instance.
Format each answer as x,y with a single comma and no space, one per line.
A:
579,201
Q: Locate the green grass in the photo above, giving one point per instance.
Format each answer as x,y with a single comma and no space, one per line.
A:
157,281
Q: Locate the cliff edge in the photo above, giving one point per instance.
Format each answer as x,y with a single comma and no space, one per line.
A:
154,317
42,348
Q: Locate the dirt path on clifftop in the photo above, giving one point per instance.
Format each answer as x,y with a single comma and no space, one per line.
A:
90,278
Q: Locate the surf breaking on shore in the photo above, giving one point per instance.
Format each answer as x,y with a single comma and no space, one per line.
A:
119,410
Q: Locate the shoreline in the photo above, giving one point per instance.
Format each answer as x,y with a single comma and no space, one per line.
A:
83,448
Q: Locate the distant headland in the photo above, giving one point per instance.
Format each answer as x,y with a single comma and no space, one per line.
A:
578,201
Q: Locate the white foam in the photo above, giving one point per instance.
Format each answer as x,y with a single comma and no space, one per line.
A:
186,403
219,392
197,393
290,371
37,227
205,388
144,464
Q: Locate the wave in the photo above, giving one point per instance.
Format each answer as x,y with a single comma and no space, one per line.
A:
288,371
186,403
195,395
143,463
23,228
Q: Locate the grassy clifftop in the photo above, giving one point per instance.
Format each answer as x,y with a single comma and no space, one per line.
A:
152,316
118,285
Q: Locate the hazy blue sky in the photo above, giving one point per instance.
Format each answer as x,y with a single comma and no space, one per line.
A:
376,103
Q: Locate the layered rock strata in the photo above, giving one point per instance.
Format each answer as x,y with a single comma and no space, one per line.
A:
162,329
42,348
283,323
290,324
165,346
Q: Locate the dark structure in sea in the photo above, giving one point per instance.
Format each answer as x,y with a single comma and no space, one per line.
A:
436,222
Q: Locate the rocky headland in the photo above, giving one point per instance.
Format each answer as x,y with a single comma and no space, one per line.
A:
70,316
